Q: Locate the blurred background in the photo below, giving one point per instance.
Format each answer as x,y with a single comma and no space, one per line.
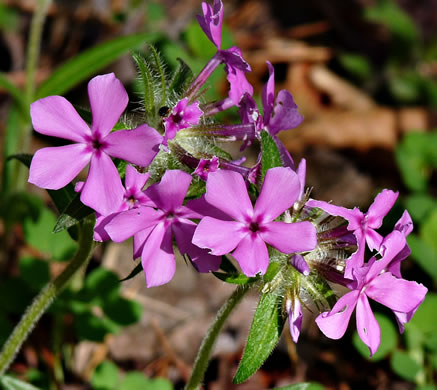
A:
364,75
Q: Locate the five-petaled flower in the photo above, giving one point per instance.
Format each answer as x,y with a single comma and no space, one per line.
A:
253,227
55,167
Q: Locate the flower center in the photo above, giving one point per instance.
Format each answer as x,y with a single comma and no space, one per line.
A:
254,227
177,118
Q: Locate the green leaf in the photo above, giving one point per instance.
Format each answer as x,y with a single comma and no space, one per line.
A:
16,93
35,272
264,334
423,254
356,64
389,339
39,235
411,159
428,231
159,66
93,328
106,376
99,285
181,79
135,381
90,62
138,268
425,318
146,80
235,278
420,205
388,13
404,365
10,383
227,266
271,272
121,310
74,213
270,154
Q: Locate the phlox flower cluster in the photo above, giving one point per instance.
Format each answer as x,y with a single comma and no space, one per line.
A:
258,216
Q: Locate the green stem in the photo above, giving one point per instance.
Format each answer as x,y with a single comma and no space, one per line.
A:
202,359
47,295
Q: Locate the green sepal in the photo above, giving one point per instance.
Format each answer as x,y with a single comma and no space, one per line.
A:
182,77
319,290
138,268
235,278
264,334
271,157
227,266
146,80
75,212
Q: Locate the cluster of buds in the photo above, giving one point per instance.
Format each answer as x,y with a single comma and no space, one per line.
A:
181,188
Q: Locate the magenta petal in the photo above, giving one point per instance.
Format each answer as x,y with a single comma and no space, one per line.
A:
56,116
103,190
130,222
286,159
157,258
252,255
108,100
140,239
382,204
354,216
211,21
221,237
299,263
278,193
170,192
301,173
405,224
199,208
285,114
295,317
373,239
202,260
397,294
100,234
227,191
367,326
138,146
333,324
55,167
134,179
290,237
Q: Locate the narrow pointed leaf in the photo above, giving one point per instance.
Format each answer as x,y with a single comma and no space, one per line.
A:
75,212
271,157
181,78
88,63
160,68
234,278
264,334
147,83
15,92
10,383
138,268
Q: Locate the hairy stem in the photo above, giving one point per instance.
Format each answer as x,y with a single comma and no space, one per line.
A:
42,302
202,359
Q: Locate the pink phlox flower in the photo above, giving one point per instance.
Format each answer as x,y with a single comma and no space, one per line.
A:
206,166
373,281
182,116
154,227
295,316
133,197
55,167
211,23
363,225
252,227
